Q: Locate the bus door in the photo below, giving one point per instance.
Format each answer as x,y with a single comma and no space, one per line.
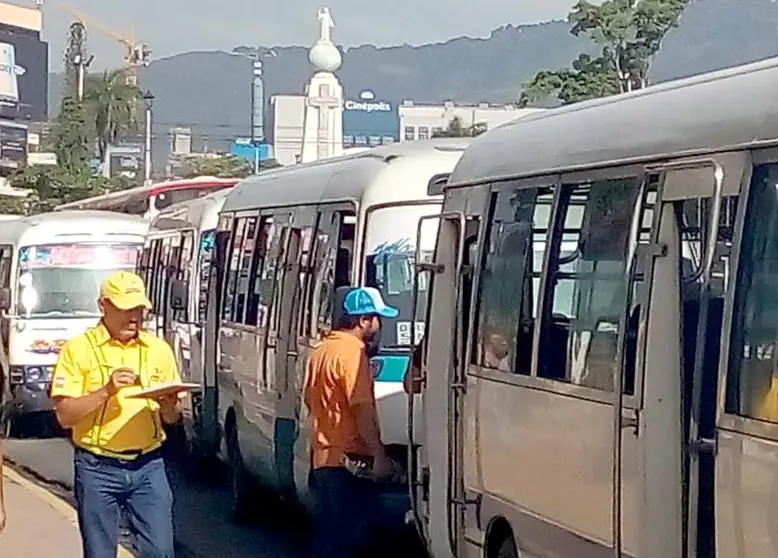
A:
675,425
440,495
217,386
291,278
329,267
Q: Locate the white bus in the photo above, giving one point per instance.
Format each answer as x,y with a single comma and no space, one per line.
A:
287,240
175,264
622,399
51,266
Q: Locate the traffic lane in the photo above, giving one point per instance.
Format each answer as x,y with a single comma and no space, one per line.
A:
201,513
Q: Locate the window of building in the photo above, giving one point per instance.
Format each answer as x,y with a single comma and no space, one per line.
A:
424,132
510,270
752,383
438,131
410,133
586,288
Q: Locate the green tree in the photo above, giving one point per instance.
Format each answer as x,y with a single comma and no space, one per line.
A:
457,129
71,136
222,166
50,186
110,107
628,34
10,205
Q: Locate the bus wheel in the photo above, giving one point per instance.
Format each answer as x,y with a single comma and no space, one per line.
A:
507,549
241,483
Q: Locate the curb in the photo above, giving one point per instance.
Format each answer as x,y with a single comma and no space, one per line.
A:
62,507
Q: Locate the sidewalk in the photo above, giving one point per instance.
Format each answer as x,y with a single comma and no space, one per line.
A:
40,524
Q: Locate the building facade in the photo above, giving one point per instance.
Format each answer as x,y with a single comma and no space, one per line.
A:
24,81
419,122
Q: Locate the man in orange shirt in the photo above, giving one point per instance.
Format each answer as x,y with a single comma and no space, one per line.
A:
339,395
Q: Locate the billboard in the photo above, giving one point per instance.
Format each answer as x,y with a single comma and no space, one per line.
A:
24,83
13,145
245,150
369,122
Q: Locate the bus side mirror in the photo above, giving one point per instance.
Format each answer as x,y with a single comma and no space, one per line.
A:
178,295
5,299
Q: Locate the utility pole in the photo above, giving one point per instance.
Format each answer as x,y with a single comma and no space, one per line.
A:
81,67
148,100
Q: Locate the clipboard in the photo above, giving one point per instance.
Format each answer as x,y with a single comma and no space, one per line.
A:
161,390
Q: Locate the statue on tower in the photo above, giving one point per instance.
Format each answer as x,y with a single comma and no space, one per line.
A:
325,25
325,56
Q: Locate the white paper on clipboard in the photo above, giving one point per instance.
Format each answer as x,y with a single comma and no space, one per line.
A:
160,390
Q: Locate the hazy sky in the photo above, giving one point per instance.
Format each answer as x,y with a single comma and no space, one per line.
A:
173,26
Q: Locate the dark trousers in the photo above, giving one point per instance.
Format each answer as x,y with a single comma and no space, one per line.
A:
344,507
104,486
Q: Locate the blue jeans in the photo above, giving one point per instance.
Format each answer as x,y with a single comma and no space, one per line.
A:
344,507
104,486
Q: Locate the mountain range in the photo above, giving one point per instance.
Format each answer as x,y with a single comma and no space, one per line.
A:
211,91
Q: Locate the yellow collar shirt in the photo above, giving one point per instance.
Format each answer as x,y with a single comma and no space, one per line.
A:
122,427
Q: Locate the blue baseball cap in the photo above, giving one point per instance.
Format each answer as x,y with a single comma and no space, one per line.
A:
361,301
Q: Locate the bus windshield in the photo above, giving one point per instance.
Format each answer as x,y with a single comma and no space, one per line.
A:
63,280
390,245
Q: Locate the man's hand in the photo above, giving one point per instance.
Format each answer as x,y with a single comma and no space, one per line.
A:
381,465
169,408
121,377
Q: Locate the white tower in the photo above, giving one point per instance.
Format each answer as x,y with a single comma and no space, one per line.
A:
323,122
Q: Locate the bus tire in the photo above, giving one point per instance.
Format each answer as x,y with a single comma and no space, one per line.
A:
241,484
507,549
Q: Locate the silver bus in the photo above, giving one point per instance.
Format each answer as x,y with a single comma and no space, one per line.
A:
601,376
286,240
176,265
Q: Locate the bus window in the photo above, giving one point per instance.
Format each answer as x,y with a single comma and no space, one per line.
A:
752,382
334,261
206,256
259,296
238,269
6,257
586,287
517,228
390,248
155,270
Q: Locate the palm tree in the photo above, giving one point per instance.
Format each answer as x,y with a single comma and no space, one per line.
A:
457,129
111,105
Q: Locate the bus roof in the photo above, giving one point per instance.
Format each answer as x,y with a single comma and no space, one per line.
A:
153,189
200,213
396,172
719,111
74,226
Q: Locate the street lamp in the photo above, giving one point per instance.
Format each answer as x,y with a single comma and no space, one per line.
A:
148,101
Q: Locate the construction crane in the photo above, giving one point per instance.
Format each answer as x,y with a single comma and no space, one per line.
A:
136,54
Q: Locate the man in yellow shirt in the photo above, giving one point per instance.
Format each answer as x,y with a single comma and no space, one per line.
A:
117,437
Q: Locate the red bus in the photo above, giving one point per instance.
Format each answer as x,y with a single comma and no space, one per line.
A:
150,200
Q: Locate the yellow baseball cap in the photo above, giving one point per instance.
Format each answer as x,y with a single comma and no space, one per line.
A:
125,290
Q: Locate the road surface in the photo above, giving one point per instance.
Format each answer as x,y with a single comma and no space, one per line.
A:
201,513
203,525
